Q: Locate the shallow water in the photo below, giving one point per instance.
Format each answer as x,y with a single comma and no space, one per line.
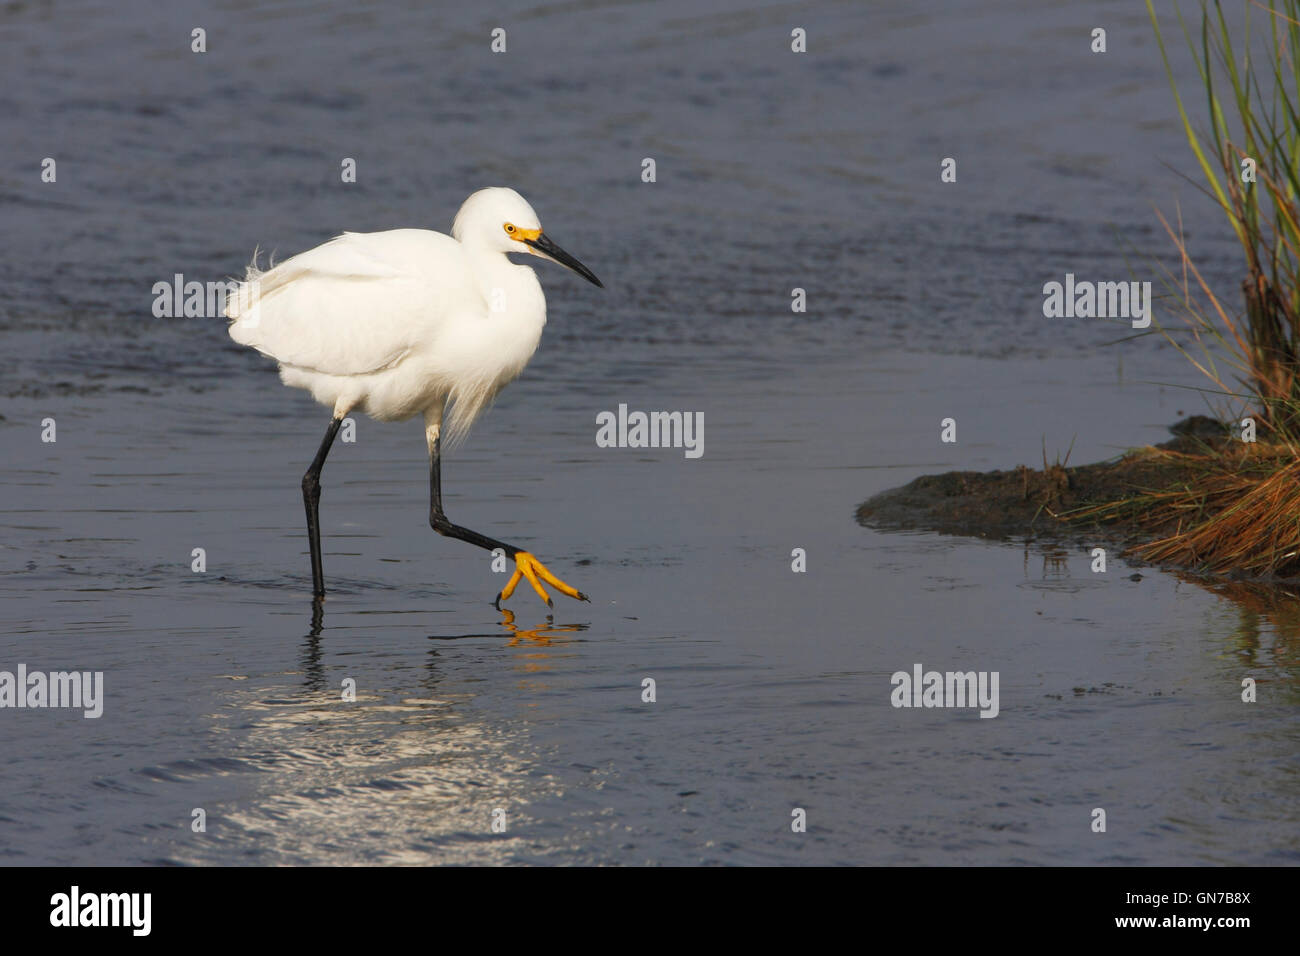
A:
773,688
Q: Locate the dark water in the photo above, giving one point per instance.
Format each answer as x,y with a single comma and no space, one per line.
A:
774,171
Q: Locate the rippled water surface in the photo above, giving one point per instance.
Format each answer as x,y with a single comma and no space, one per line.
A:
774,171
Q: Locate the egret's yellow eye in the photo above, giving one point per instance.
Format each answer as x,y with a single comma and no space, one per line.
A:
520,234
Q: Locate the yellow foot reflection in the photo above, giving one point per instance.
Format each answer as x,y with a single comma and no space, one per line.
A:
540,636
527,566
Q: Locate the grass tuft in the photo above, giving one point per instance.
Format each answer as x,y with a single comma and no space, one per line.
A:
1236,506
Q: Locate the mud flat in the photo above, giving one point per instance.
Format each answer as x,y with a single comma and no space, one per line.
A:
1054,502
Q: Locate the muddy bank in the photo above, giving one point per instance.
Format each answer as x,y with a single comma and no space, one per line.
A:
1031,502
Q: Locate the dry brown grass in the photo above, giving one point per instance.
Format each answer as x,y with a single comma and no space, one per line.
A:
1237,510
1236,507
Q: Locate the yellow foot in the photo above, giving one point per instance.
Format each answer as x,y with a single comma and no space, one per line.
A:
527,566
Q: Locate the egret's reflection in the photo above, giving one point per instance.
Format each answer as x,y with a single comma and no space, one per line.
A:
408,772
312,668
543,636
548,634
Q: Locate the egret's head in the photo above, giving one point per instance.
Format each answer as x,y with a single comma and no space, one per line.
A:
500,219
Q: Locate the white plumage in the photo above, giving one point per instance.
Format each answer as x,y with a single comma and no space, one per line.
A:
402,322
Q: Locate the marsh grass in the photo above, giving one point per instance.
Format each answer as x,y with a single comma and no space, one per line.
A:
1233,509
1236,505
1254,117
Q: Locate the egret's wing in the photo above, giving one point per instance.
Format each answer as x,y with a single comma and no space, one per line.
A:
356,304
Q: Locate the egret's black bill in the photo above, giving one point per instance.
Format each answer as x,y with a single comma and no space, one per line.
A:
543,244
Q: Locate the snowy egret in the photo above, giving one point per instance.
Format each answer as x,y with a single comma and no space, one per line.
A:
409,322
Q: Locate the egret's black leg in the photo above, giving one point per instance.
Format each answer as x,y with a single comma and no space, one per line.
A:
311,498
525,564
439,521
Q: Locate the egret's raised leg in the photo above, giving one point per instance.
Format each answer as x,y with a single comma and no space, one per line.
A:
311,498
526,565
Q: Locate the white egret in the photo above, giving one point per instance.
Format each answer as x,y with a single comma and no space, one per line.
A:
409,322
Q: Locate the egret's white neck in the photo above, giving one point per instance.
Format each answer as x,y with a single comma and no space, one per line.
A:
511,287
